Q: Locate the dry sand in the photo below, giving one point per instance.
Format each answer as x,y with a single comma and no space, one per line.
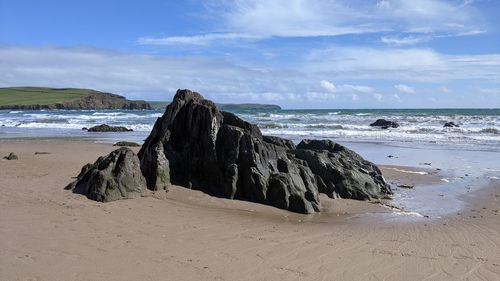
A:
47,233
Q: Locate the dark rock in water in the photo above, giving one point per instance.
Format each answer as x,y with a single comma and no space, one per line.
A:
11,156
384,124
195,145
451,125
115,176
408,186
107,128
85,128
127,143
41,152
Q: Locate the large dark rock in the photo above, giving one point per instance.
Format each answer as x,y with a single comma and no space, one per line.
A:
127,144
115,176
450,125
384,124
195,145
343,172
107,128
11,156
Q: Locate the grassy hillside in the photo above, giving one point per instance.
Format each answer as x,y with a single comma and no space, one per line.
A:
35,98
39,95
159,105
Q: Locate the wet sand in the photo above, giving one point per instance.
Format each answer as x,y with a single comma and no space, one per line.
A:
51,234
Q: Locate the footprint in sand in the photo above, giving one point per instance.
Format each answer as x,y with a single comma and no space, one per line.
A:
27,258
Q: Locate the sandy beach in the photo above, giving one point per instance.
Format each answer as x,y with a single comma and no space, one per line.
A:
52,234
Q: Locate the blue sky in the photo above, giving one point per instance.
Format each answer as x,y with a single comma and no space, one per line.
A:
296,53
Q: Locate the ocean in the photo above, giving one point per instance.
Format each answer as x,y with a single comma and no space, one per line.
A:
479,128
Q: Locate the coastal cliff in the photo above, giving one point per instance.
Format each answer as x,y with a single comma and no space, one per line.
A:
247,106
36,98
161,105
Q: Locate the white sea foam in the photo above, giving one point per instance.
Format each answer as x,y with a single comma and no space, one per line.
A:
398,211
415,126
79,126
408,213
490,169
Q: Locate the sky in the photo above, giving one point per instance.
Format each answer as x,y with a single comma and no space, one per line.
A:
295,53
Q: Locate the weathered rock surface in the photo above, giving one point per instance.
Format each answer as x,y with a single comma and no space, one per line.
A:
384,124
107,128
11,156
450,125
195,145
115,176
127,143
343,172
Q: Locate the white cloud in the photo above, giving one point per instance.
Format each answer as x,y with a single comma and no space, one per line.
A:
471,32
404,41
414,64
490,91
202,40
445,90
259,19
404,89
155,77
320,96
384,5
139,75
345,88
329,86
359,88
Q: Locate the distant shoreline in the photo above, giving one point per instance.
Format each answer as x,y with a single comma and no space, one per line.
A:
36,98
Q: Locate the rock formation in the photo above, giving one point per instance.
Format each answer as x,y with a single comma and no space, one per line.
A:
115,176
384,124
107,128
11,156
197,146
450,125
127,143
